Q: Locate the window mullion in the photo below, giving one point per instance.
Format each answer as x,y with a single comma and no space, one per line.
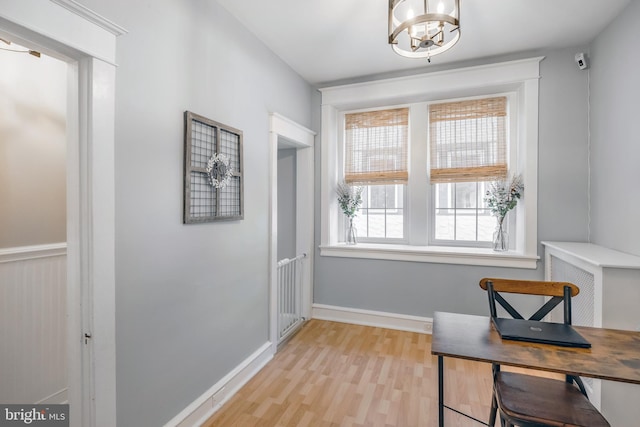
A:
418,190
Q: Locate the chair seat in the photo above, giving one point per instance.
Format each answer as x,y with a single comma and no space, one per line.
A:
544,401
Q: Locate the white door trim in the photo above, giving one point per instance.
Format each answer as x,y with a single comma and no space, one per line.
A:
302,139
73,35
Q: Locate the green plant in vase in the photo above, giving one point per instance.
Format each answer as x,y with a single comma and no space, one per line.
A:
350,199
501,197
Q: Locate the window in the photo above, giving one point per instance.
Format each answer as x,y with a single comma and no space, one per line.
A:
468,140
376,146
464,128
468,143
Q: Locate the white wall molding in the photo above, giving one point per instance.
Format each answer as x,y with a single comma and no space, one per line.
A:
60,27
290,130
201,409
374,92
24,253
379,319
91,16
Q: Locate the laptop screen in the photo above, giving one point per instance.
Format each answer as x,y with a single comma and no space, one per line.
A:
540,332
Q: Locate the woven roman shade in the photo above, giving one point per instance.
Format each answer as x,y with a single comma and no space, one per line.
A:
468,140
376,147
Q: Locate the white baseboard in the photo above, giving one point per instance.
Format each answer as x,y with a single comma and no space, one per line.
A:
201,409
380,319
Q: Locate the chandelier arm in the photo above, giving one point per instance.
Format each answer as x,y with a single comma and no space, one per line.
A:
428,17
425,54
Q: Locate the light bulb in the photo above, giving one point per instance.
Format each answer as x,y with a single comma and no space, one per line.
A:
410,14
440,7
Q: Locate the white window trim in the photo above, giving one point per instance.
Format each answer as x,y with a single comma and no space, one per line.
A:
520,76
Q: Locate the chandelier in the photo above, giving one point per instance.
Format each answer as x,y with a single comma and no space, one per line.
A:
423,28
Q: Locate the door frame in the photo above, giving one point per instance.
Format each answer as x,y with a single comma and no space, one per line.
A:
69,31
302,139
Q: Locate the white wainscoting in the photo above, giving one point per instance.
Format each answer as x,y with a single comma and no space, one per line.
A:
33,309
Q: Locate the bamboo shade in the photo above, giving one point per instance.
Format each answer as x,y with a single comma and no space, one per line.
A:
468,140
376,147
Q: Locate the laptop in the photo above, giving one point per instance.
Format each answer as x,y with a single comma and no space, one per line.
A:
539,332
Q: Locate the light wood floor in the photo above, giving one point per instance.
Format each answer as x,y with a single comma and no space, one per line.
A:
336,374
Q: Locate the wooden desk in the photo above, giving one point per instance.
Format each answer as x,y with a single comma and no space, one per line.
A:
614,354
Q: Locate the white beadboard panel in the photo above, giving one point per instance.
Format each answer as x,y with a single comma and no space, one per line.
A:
33,313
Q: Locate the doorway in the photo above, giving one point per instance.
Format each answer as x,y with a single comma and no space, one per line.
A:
32,227
86,42
295,145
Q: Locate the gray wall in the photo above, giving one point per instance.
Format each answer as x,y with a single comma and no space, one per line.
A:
191,300
615,135
422,288
286,203
33,149
615,174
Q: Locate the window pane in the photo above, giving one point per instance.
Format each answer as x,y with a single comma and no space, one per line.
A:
461,214
360,223
395,224
445,224
376,223
466,224
466,195
486,225
377,196
382,213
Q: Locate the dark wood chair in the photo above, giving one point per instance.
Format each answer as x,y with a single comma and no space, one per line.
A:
531,401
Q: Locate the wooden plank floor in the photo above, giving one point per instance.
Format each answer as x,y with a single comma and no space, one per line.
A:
336,374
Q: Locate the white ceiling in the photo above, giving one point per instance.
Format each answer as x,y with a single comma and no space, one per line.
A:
329,40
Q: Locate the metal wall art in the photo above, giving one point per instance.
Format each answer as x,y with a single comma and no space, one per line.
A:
213,171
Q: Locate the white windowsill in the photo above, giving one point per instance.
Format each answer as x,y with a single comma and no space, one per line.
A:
434,254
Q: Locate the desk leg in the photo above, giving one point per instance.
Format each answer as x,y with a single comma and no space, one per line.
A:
440,391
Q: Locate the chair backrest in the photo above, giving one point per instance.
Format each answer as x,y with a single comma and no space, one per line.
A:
558,291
